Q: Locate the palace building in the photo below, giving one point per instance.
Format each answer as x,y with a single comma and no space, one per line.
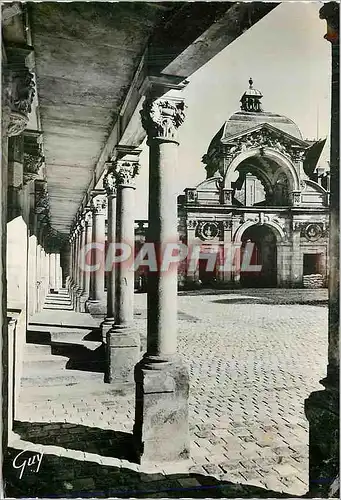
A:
263,185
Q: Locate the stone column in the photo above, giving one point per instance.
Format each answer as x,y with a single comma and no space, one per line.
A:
79,270
98,205
110,187
123,341
162,381
57,259
86,275
322,407
52,258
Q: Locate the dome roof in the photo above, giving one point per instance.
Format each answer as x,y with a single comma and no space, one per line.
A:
241,121
252,115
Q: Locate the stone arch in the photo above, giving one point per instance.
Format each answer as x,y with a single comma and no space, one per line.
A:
277,229
279,158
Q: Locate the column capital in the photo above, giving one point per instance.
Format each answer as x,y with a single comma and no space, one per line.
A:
109,182
33,156
22,88
125,165
162,117
125,172
98,202
330,12
88,216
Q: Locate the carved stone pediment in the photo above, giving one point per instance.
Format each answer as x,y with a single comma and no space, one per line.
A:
267,137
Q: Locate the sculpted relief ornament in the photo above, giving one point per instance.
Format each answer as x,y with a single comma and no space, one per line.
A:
33,156
21,82
265,138
99,204
125,172
162,117
208,230
109,184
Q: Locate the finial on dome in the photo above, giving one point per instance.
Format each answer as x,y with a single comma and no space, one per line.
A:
250,100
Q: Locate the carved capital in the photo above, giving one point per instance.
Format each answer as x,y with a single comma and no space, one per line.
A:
162,117
88,217
109,184
33,157
99,204
22,89
41,198
125,171
296,197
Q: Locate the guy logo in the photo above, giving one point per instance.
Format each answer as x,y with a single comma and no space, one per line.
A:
34,461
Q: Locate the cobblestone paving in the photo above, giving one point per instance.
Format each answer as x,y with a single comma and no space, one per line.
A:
251,367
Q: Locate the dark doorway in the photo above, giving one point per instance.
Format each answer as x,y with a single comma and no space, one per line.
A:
207,272
264,255
311,263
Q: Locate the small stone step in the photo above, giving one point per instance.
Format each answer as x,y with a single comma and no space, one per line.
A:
83,388
46,335
33,350
36,363
47,377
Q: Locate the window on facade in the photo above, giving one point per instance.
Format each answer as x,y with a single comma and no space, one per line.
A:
312,263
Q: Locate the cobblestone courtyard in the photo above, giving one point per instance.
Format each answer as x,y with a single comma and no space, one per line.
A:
253,356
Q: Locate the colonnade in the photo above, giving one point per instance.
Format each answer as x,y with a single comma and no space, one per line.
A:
44,272
160,375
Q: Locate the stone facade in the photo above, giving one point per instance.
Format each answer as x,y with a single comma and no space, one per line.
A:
261,187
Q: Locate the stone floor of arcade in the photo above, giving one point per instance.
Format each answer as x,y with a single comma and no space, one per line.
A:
250,370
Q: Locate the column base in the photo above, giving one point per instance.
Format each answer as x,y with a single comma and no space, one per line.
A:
106,325
161,432
322,412
82,302
122,354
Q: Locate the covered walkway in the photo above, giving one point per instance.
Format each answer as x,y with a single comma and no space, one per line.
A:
247,422
118,401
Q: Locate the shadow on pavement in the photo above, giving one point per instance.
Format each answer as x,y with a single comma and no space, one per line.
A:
61,477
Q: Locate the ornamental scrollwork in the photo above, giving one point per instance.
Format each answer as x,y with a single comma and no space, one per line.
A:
208,230
99,204
42,204
125,172
109,184
191,223
227,225
265,138
162,117
33,156
21,99
312,231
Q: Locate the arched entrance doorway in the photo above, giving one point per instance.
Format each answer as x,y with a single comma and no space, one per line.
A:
264,255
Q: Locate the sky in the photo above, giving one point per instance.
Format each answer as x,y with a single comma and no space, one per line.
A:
290,62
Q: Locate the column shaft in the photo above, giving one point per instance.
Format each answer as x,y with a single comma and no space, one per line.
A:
124,302
162,286
162,381
123,340
110,187
99,212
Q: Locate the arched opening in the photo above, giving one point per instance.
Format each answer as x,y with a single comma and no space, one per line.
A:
264,178
260,242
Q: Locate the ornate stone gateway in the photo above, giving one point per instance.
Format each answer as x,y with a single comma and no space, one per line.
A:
262,187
